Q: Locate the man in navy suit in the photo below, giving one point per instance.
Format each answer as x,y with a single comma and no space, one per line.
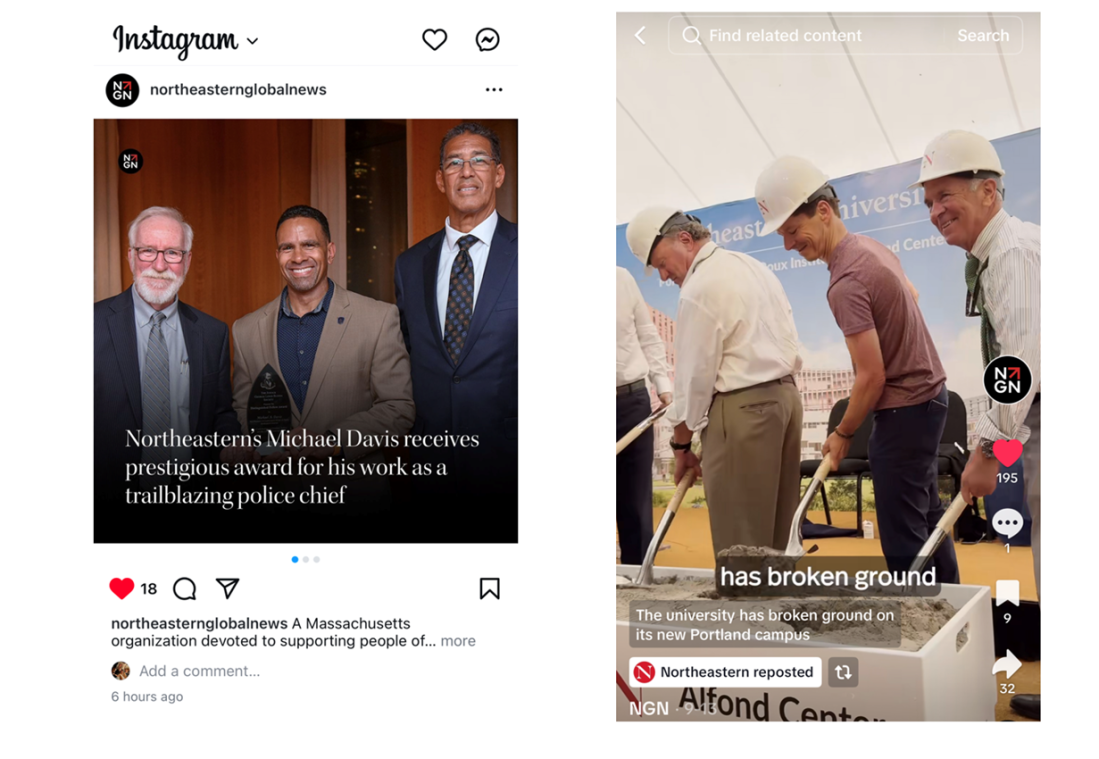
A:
457,292
161,367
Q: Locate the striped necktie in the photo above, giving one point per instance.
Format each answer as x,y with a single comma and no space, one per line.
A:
156,416
459,303
973,270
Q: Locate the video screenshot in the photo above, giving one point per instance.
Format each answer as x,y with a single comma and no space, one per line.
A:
828,367
268,489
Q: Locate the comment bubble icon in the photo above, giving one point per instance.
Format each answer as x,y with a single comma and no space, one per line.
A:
1007,522
184,589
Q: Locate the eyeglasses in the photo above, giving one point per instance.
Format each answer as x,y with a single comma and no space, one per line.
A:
477,163
171,255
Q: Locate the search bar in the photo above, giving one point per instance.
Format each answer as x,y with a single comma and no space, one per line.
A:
839,34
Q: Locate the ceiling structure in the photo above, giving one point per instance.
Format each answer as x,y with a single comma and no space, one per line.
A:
696,125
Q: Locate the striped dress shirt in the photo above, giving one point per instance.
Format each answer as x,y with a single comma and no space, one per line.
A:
1010,297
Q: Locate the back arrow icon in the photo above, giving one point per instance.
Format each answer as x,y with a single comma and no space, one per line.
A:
638,35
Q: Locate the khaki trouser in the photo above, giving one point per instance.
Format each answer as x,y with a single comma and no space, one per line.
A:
751,462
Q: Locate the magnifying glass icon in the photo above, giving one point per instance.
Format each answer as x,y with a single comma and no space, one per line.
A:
688,38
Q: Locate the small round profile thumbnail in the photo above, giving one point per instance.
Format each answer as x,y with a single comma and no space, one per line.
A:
120,670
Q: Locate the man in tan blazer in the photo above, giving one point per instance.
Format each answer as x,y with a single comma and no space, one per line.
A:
341,356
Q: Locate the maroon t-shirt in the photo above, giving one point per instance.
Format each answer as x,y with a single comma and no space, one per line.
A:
867,291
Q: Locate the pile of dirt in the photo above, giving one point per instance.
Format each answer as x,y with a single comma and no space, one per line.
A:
749,559
665,589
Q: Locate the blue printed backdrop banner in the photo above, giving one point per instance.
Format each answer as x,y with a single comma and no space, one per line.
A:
878,204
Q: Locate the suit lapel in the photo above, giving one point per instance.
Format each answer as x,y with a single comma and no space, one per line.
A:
431,275
336,322
124,339
269,340
192,338
501,257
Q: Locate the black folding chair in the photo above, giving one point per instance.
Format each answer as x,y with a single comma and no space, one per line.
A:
856,464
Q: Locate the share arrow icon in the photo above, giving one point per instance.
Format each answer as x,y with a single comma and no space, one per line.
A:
228,584
1009,665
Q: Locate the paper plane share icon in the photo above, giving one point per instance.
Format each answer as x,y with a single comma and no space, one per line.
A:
228,584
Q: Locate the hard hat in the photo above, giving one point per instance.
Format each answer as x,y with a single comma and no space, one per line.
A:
784,186
954,152
645,229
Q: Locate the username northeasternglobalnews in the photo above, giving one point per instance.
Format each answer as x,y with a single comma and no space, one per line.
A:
250,90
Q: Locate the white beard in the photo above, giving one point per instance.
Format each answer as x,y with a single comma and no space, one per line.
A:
158,296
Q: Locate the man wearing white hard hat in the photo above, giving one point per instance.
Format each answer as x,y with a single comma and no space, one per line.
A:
736,354
898,376
962,181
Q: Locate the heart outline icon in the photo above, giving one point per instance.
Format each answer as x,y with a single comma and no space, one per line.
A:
1007,452
122,588
434,33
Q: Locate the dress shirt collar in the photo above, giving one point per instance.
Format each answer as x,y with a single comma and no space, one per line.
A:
704,252
483,231
322,306
143,312
988,235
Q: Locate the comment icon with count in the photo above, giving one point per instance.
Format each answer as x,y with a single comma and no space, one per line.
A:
1008,523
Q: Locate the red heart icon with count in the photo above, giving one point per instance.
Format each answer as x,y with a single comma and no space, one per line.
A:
122,588
1007,451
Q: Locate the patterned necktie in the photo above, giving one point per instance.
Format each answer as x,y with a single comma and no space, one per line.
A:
156,417
459,303
973,271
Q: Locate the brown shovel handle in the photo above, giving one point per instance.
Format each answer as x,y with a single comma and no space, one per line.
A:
681,491
637,431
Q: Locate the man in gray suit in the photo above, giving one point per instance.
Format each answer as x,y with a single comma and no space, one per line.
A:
161,367
341,356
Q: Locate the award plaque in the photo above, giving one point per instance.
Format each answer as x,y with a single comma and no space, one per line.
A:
269,408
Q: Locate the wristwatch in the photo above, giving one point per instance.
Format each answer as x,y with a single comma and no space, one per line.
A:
680,446
986,448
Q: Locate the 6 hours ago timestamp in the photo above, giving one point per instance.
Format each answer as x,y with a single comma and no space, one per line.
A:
172,698
168,698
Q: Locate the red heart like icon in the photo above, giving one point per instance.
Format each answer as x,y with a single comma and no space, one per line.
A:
1007,451
122,588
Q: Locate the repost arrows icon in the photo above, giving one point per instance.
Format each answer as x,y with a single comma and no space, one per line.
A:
228,584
